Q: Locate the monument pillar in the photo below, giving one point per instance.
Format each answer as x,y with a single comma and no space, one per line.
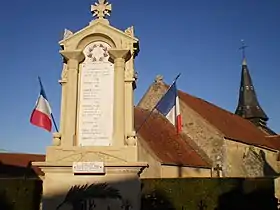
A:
119,57
73,59
63,82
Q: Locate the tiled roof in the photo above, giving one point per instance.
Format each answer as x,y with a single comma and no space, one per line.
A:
232,126
162,138
275,140
18,162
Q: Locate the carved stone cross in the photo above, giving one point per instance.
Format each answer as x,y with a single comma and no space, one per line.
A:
218,168
101,9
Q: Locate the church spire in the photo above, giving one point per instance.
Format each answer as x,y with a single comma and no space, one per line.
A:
248,105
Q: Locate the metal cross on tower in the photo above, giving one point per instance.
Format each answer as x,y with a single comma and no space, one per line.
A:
243,47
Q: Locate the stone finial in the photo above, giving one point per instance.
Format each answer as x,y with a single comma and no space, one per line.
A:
131,139
67,33
135,75
101,9
130,31
56,139
158,79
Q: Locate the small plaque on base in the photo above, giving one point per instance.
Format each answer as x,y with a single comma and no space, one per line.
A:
88,168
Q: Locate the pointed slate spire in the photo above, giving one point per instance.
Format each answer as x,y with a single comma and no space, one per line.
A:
248,105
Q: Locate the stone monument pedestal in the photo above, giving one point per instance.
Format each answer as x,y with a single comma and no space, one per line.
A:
122,176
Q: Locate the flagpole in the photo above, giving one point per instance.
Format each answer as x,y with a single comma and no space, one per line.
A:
151,112
54,123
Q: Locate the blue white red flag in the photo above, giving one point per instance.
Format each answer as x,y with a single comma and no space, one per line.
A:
42,114
170,108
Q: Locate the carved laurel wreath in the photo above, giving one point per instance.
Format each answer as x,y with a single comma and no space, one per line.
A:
94,58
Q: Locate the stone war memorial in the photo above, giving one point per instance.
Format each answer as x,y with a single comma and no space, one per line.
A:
96,143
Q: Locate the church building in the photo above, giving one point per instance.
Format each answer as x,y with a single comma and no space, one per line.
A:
239,144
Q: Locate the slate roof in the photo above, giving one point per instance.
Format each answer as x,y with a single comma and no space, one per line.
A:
168,146
16,163
248,105
232,126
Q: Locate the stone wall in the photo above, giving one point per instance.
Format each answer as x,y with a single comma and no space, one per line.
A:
205,136
144,154
249,161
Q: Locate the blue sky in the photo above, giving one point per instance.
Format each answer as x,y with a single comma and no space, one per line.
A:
199,38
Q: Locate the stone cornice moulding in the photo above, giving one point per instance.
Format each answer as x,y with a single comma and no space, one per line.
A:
110,168
77,55
103,26
119,53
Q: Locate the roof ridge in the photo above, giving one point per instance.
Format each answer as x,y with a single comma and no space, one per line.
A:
201,99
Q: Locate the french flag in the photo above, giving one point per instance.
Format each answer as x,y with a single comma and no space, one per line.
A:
42,114
170,108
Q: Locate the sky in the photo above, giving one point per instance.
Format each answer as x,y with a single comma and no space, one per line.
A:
199,39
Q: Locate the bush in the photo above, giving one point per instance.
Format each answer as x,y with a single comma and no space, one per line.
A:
161,194
208,194
20,194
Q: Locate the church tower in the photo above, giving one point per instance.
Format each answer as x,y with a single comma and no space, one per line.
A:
248,106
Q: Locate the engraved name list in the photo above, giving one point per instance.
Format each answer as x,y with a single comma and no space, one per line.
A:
96,97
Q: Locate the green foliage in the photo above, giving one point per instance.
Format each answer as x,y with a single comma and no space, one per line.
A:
78,194
208,194
20,194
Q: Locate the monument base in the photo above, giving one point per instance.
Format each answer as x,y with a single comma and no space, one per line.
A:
104,154
120,178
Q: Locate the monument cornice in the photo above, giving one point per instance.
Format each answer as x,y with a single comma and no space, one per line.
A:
110,168
77,55
124,54
100,30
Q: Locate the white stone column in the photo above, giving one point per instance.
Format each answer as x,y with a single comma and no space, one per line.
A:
129,112
63,82
73,59
119,58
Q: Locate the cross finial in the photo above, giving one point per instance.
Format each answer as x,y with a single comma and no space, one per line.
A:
243,47
101,9
159,78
